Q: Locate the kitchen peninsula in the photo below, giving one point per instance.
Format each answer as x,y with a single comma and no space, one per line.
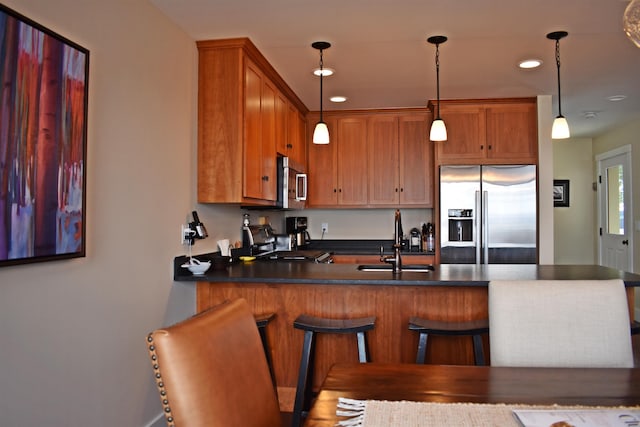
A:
449,292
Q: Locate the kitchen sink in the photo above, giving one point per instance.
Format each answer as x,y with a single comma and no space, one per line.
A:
414,268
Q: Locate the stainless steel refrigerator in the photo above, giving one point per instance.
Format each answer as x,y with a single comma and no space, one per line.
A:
488,214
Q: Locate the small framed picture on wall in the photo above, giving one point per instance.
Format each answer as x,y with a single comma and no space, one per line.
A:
561,193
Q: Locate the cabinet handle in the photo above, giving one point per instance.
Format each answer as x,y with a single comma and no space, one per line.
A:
289,145
265,178
401,190
489,147
482,147
396,189
335,190
625,242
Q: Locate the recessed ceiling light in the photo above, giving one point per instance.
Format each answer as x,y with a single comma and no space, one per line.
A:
530,63
325,72
590,114
616,98
338,99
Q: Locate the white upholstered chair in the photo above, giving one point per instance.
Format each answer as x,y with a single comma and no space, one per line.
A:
559,323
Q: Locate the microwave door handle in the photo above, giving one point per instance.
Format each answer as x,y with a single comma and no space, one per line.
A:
301,186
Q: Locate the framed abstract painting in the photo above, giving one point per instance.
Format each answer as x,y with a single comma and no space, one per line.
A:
43,142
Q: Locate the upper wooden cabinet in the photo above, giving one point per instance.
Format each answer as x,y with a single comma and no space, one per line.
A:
374,159
400,160
244,120
500,131
338,170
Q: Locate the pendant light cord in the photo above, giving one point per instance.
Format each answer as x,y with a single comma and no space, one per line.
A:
438,78
321,76
558,65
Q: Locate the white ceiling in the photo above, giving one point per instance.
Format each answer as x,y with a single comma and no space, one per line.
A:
382,59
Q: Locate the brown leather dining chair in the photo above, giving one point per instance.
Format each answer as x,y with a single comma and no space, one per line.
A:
211,370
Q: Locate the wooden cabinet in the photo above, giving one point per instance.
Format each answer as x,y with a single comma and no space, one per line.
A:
260,179
375,159
416,160
290,133
352,161
244,108
489,132
338,170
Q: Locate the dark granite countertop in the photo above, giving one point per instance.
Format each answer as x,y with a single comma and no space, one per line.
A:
283,272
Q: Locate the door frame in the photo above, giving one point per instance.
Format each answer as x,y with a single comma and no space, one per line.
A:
625,151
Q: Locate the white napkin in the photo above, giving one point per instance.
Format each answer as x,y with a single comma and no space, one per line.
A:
223,245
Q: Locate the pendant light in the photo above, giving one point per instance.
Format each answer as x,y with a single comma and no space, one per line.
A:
631,22
560,129
438,129
321,131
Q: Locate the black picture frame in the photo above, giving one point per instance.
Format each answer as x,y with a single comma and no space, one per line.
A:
561,193
43,142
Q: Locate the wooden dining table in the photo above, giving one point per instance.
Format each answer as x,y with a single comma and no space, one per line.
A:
473,384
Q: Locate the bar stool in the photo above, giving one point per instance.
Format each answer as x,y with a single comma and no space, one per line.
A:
425,327
311,325
262,320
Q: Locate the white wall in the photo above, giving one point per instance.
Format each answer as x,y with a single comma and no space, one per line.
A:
623,135
72,349
575,226
545,181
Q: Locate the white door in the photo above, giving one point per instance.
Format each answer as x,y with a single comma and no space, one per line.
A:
615,210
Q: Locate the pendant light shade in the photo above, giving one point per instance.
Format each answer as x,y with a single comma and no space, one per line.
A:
631,22
321,131
438,131
560,129
438,128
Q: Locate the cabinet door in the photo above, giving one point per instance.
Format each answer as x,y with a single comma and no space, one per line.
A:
465,133
384,181
416,160
268,146
352,161
282,124
323,171
253,174
512,132
296,138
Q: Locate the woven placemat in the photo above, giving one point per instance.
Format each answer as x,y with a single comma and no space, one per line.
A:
376,413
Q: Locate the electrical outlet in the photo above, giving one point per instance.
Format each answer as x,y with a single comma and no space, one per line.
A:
185,233
325,228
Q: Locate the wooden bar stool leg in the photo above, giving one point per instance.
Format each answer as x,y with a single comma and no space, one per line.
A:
303,379
363,348
478,352
422,348
267,352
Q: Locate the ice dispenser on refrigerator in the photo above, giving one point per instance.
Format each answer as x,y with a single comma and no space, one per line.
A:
488,214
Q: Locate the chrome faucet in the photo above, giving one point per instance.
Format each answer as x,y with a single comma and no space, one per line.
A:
396,259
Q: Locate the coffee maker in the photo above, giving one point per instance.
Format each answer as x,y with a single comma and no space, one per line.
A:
296,228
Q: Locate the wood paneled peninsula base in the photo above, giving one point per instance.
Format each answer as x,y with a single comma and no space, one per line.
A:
451,292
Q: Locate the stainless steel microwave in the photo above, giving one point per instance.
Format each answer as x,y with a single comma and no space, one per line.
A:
292,185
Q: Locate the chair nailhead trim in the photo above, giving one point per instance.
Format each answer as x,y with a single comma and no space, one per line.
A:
159,382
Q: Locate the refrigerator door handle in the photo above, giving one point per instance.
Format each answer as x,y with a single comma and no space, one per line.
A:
477,225
485,228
